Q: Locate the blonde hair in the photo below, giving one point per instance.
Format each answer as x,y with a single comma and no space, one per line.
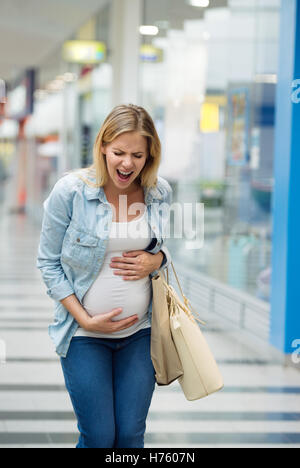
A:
122,119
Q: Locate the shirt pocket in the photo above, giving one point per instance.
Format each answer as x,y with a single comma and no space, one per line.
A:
79,249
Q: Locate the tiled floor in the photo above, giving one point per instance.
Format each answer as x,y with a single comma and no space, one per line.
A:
259,406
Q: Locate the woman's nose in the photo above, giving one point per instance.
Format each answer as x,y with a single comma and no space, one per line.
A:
128,163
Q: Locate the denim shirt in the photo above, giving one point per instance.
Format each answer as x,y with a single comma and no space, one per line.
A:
75,231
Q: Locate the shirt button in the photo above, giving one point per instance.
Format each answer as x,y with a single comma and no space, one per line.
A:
77,240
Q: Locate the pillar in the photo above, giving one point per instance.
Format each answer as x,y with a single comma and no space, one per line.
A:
125,43
285,299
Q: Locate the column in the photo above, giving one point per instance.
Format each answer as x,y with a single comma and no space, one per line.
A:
285,303
125,43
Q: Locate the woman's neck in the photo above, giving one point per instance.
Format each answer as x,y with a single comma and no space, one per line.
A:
113,192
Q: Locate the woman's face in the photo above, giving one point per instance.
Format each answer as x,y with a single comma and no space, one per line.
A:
127,154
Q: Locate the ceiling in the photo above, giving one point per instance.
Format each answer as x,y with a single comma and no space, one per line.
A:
31,29
174,11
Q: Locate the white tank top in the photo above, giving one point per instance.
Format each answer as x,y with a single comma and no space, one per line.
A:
110,291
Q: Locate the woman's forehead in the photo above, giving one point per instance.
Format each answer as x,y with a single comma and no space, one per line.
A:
132,141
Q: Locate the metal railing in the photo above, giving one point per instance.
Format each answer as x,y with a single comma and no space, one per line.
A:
211,297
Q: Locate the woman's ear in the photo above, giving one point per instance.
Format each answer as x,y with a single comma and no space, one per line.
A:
103,148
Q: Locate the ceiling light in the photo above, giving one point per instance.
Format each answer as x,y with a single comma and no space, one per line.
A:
199,3
149,30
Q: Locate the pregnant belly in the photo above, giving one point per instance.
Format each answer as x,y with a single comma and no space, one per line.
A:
108,293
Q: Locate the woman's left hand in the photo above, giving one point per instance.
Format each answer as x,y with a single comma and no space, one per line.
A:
136,264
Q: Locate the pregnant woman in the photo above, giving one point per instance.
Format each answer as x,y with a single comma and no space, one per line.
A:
101,243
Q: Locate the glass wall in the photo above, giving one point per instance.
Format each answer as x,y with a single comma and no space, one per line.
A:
209,80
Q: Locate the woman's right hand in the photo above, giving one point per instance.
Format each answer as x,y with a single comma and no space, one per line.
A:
103,323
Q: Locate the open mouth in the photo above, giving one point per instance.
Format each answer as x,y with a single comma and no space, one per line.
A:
123,176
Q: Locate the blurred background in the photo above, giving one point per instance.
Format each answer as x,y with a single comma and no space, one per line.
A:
216,76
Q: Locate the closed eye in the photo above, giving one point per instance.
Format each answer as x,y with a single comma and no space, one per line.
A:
136,155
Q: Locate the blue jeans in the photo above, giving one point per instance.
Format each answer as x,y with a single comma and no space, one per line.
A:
110,382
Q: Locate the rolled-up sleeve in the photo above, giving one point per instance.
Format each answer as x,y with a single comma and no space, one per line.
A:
165,251
167,257
56,219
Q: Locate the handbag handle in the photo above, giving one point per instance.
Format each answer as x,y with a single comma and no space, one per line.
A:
186,300
175,277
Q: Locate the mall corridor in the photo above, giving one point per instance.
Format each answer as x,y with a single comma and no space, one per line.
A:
259,406
198,103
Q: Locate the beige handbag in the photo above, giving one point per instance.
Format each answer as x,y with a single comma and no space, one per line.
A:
201,375
164,355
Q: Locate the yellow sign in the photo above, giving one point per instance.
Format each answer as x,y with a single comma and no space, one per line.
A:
210,119
149,53
85,52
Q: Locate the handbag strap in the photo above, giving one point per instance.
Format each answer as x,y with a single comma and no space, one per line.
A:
177,280
175,277
187,303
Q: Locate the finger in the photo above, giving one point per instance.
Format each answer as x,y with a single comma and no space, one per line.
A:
121,266
121,324
123,321
133,253
125,272
128,324
120,269
115,312
132,278
124,261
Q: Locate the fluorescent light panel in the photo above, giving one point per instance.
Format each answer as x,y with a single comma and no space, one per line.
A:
199,3
149,30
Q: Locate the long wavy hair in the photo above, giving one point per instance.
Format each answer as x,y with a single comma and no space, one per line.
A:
122,119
